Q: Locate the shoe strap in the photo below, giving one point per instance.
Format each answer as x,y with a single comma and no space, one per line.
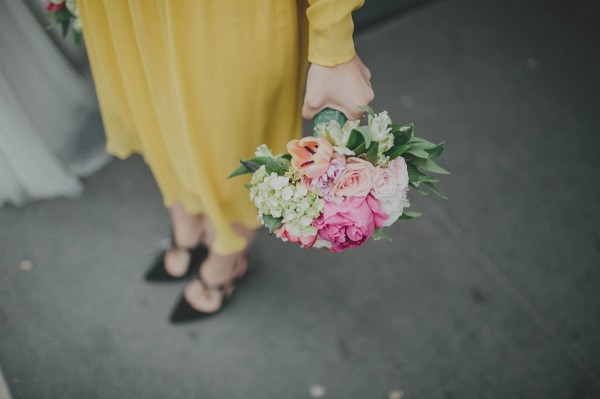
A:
181,247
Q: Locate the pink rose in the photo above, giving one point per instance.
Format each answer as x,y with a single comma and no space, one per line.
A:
55,6
350,222
285,235
385,184
354,181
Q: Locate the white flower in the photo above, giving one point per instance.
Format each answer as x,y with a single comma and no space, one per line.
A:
286,197
72,7
347,129
278,182
394,207
378,125
343,151
381,133
263,151
321,243
336,135
76,25
394,204
287,193
330,131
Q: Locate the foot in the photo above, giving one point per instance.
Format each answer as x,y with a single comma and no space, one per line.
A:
216,282
218,273
188,233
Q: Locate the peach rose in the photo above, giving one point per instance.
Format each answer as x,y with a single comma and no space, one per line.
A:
311,156
354,181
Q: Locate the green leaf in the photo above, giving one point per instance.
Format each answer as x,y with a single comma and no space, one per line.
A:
435,151
379,234
248,186
396,151
429,165
413,173
360,149
250,164
365,132
240,170
402,133
287,156
420,144
277,165
367,109
371,155
417,177
418,152
329,114
65,28
435,190
272,223
428,179
420,190
355,140
409,215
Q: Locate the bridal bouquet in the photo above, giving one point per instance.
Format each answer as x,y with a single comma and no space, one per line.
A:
65,14
345,184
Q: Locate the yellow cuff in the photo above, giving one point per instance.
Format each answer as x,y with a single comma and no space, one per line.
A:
330,29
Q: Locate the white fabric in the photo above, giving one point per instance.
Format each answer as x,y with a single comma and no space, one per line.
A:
50,130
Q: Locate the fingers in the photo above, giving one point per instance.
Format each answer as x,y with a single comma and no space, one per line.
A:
310,108
313,105
343,87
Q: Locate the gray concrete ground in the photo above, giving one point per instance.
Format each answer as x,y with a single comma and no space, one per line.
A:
494,293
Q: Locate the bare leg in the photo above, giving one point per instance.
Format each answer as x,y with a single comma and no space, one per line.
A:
187,231
216,269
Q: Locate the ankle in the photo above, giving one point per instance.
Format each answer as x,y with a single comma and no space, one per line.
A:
218,268
187,228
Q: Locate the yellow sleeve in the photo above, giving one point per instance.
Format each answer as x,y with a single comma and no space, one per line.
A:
330,29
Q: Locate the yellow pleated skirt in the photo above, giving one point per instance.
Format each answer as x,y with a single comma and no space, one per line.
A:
194,85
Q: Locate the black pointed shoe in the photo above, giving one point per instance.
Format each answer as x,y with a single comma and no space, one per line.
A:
219,293
157,272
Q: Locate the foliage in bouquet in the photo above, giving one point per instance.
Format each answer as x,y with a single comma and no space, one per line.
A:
343,185
65,15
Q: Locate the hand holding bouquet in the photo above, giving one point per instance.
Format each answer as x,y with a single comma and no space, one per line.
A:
340,187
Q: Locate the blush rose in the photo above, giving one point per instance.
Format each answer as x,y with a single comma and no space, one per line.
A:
356,180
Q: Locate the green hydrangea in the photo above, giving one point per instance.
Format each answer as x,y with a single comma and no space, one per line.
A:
287,198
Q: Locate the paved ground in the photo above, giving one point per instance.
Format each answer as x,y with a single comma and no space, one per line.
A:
494,293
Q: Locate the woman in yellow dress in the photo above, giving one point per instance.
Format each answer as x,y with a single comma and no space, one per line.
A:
192,85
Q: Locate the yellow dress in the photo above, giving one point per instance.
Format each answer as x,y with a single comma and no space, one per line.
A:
193,85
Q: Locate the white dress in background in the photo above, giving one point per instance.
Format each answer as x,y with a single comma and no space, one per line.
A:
50,129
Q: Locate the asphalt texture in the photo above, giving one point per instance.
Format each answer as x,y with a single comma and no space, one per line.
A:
493,293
